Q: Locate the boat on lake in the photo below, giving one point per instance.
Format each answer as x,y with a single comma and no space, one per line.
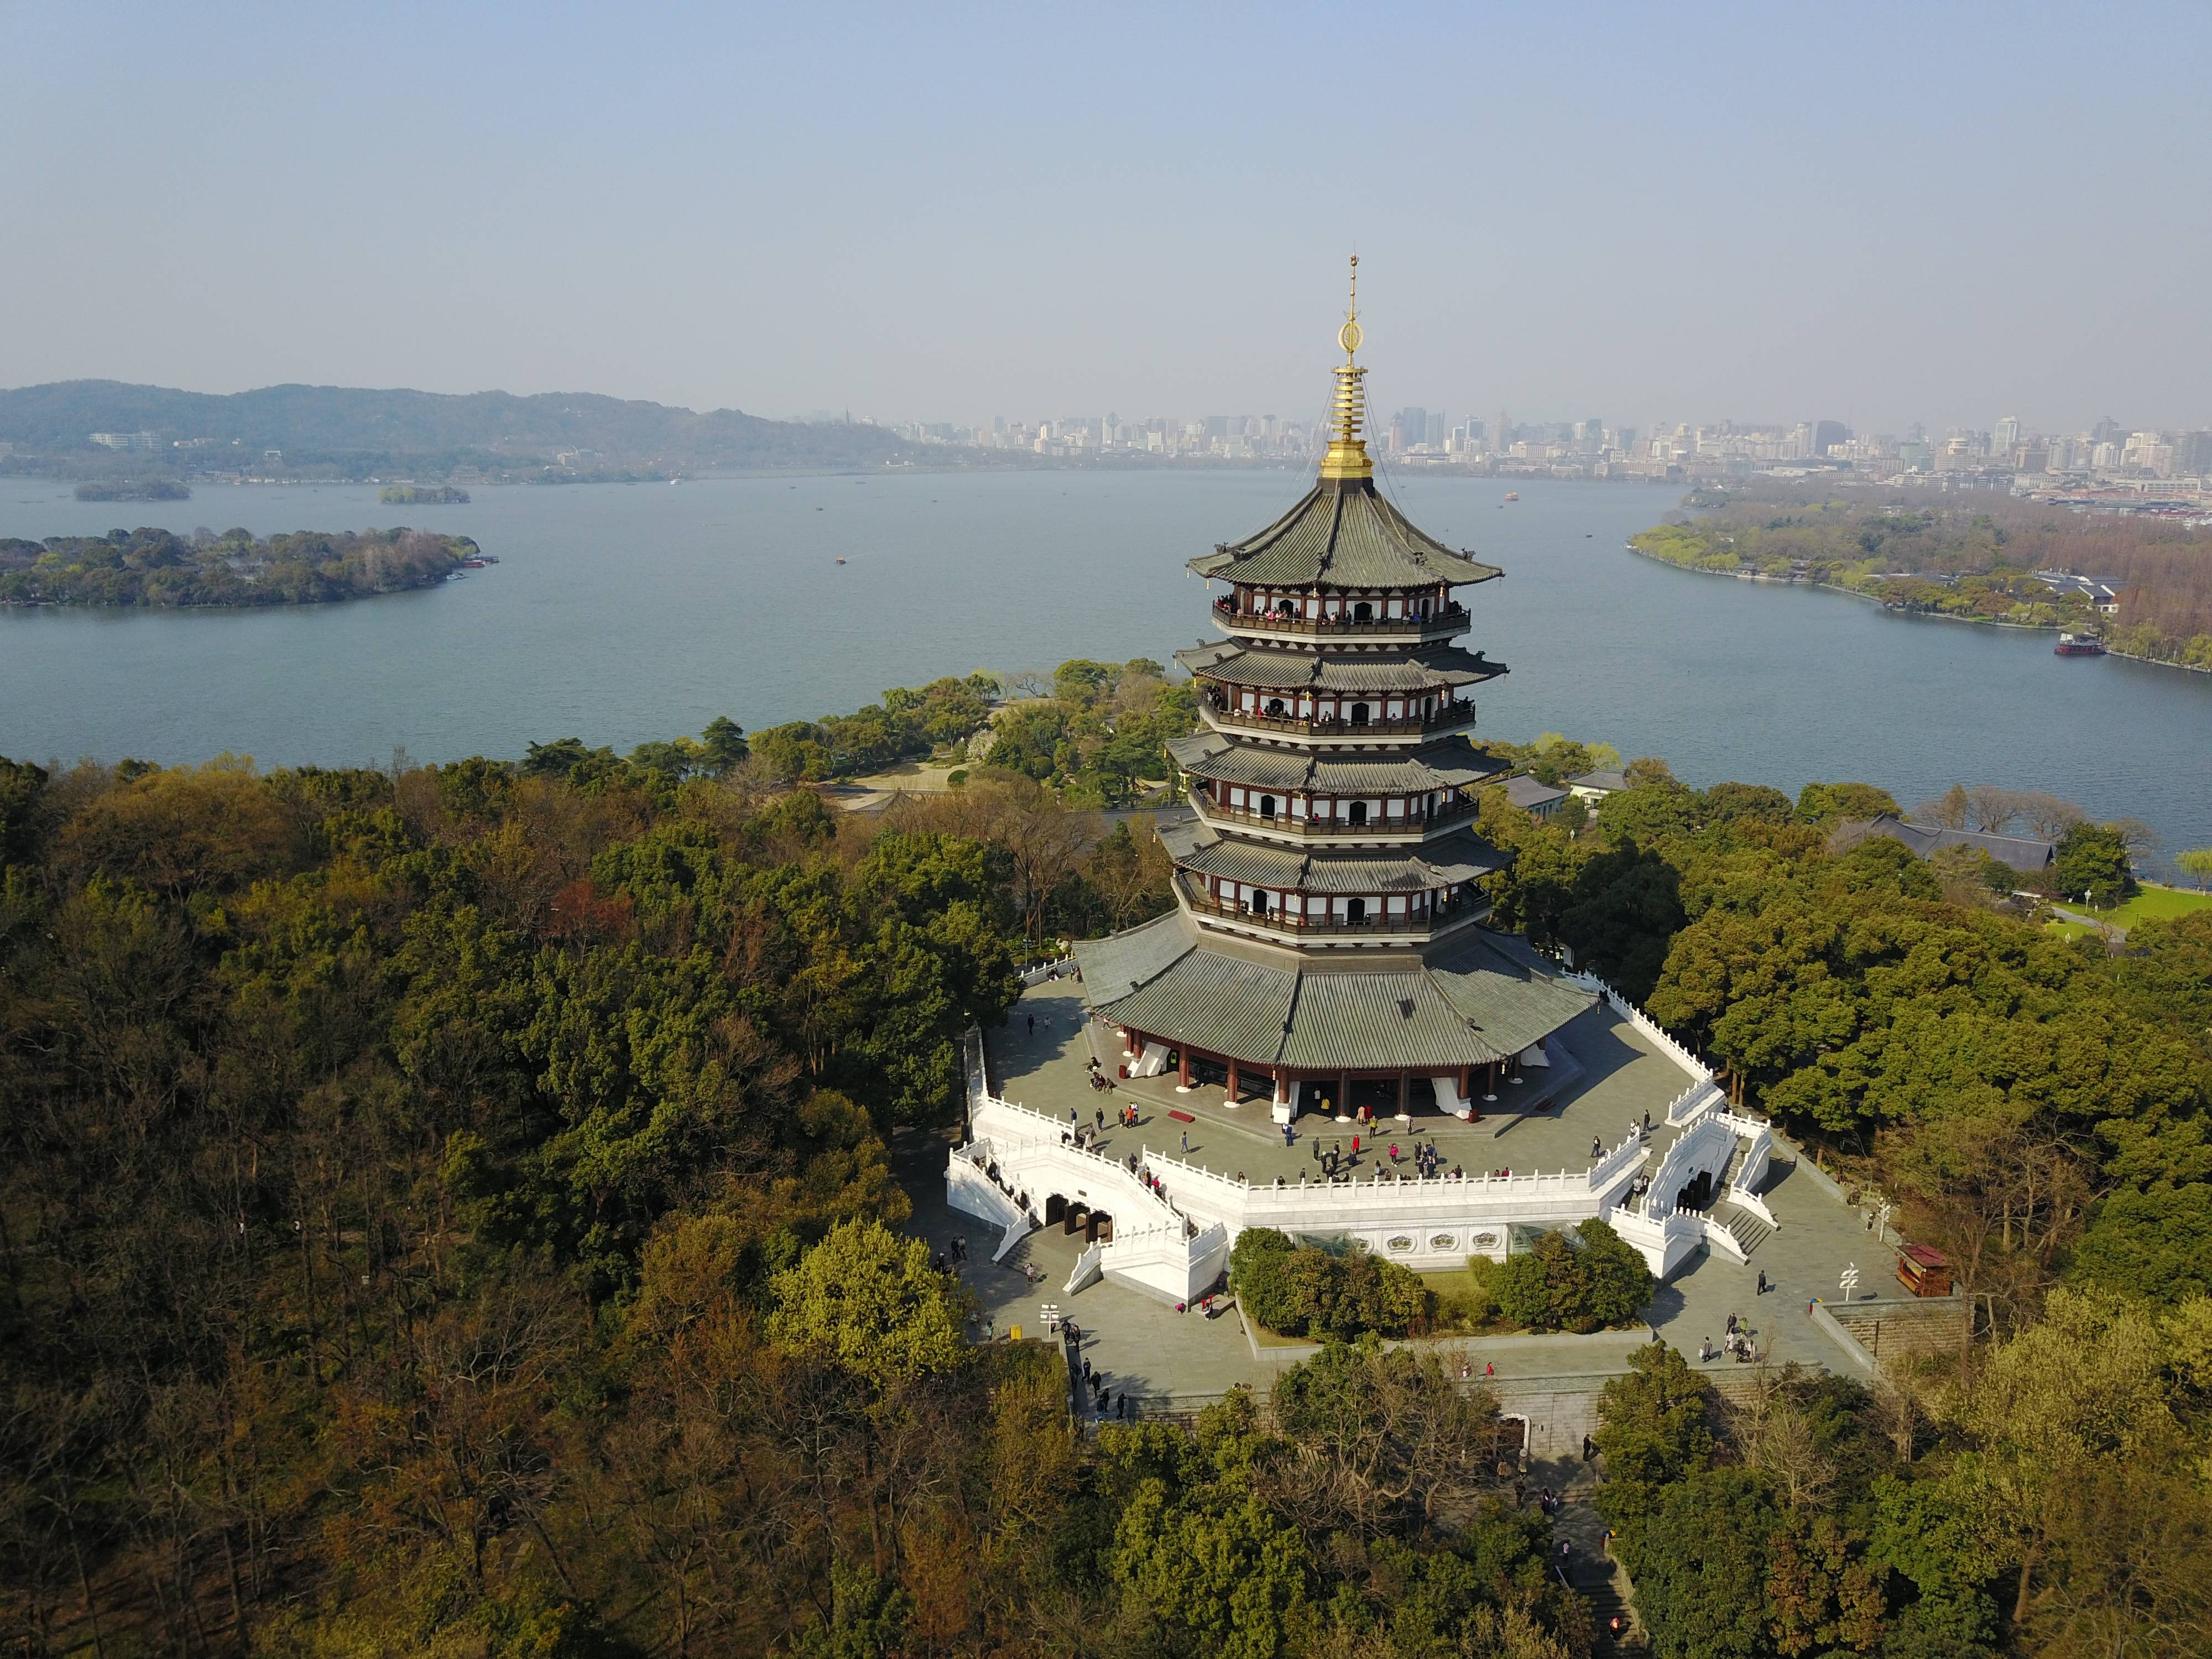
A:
2078,644
1512,495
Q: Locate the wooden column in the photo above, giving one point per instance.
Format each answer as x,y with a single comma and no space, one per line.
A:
1232,1083
1402,1081
1344,1095
1182,1066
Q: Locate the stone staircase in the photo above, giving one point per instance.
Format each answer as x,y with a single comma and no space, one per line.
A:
1590,1572
1746,1229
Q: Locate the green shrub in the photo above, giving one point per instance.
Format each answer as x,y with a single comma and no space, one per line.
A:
1298,1291
1583,1284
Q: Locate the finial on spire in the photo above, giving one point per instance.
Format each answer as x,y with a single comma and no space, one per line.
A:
1347,452
1349,337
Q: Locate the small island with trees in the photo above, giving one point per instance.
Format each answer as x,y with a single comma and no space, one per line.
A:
423,495
133,489
160,568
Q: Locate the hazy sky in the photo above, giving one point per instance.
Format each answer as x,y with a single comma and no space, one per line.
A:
1869,212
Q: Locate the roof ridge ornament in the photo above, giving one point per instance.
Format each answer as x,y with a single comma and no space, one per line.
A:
1347,460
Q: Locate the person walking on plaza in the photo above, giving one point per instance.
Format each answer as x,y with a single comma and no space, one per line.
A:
1032,1024
1186,1140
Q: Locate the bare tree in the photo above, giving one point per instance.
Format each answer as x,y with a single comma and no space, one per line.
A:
2047,816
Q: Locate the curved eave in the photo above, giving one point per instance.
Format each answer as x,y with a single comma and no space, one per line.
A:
1343,534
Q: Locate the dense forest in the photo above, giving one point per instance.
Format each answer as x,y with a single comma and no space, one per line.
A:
131,567
410,1183
1969,561
450,1211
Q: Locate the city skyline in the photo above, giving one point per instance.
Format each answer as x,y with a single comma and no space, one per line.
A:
1915,218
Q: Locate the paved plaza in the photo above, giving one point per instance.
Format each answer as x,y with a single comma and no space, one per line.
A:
1047,1069
1172,1361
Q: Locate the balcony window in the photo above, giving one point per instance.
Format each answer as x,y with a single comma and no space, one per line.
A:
1359,713
1358,813
1355,910
1266,807
1362,612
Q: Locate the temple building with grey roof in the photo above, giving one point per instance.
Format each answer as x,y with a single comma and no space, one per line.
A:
1327,946
1328,953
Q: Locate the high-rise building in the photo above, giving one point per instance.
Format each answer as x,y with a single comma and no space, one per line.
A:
2006,434
1826,434
1501,435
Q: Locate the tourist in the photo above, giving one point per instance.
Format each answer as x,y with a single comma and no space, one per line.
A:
1762,1282
1490,1369
1122,1406
1186,1140
1704,1350
1647,1125
1288,1138
1355,1149
1086,1371
1394,1153
1597,1147
1032,1024
1101,1119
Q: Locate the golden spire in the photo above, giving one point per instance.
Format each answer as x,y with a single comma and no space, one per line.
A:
1347,451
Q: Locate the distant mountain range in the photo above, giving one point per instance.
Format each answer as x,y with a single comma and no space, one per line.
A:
350,432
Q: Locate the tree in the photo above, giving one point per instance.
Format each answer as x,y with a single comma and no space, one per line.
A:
2155,1243
2198,862
2093,866
1387,1440
1592,1281
1701,1563
1828,805
867,1302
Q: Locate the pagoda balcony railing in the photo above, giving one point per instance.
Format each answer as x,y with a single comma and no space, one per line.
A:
1414,923
1446,620
1417,824
1446,717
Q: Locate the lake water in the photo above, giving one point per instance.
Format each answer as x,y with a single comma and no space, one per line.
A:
620,613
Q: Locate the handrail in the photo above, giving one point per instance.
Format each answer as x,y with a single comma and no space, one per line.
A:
1447,714
1455,616
1410,823
1413,922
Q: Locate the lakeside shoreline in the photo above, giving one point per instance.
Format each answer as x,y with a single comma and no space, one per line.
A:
1933,616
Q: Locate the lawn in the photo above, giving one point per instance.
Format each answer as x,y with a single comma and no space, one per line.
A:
2156,904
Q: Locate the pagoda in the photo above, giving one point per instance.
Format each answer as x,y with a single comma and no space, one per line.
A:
1326,949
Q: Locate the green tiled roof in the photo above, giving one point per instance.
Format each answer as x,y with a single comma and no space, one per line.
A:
1458,858
1507,991
1447,764
1343,535
1486,998
1435,667
1365,1021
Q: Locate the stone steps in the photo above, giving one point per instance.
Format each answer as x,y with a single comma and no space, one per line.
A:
1746,1229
